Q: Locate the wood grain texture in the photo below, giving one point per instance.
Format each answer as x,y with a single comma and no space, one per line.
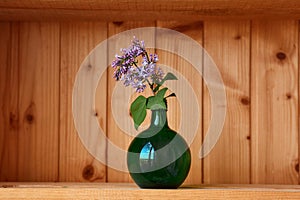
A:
77,40
243,5
193,29
297,165
120,132
228,43
274,94
4,59
38,102
38,140
9,90
146,9
130,191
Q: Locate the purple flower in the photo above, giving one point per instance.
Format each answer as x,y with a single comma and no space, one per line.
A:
137,76
157,75
153,58
141,88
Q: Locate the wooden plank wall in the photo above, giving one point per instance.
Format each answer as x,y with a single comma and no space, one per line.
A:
229,45
258,61
75,163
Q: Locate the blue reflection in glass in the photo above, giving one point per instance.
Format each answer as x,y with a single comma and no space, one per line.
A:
147,152
147,157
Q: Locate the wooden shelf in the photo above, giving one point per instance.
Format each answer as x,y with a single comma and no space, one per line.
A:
115,10
130,191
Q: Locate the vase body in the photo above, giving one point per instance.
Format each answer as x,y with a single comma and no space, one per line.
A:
158,157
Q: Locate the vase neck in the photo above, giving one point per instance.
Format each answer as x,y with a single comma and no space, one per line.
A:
159,118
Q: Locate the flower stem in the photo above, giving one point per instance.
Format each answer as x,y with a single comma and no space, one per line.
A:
147,56
136,65
151,86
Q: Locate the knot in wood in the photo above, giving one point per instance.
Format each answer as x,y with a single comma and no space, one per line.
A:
281,55
30,113
288,96
118,23
29,118
89,66
245,100
13,121
238,37
297,167
88,172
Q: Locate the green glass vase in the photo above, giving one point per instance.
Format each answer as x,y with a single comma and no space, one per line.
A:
158,157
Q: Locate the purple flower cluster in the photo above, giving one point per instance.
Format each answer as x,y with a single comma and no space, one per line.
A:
127,69
128,58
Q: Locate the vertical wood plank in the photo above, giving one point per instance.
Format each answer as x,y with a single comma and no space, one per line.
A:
228,43
115,133
38,102
9,117
195,31
297,165
77,40
274,94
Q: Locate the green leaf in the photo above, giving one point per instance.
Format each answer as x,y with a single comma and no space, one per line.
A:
157,102
169,76
138,110
161,93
